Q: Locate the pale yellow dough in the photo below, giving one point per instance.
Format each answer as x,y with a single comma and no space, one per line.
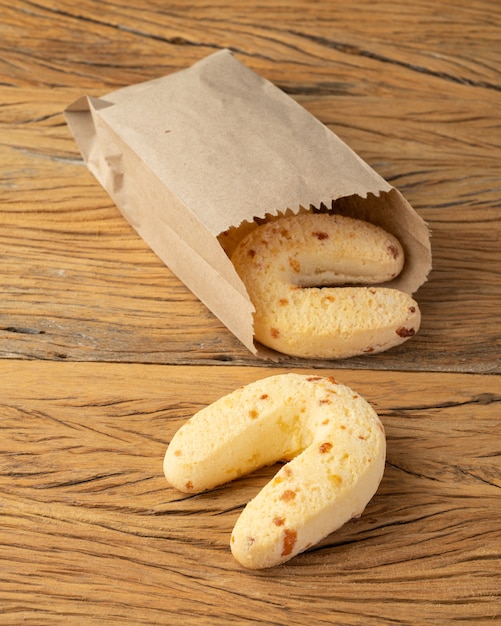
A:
333,438
304,273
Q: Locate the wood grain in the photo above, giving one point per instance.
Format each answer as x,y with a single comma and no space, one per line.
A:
91,532
357,48
104,352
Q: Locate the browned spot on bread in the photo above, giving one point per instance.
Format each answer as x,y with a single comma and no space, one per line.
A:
287,472
178,453
335,479
251,253
313,379
290,538
412,309
325,401
325,447
405,332
332,380
253,414
275,332
288,495
278,521
264,396
296,266
393,250
320,235
283,301
189,485
370,349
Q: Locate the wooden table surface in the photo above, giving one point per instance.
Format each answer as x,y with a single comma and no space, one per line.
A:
105,353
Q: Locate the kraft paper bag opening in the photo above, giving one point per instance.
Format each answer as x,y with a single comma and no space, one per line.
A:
194,158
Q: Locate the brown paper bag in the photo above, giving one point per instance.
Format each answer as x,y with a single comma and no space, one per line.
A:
206,150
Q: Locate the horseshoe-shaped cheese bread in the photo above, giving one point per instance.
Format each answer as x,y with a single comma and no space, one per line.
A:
333,437
290,268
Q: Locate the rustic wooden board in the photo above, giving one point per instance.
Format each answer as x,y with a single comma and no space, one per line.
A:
326,46
104,353
91,532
